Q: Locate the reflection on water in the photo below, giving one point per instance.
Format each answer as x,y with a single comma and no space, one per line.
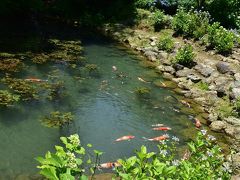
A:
105,108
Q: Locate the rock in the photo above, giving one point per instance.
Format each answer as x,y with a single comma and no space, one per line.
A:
169,69
184,73
235,93
218,126
232,120
223,67
235,177
237,77
167,76
152,56
204,70
163,55
194,78
153,43
236,160
230,130
153,38
178,67
221,92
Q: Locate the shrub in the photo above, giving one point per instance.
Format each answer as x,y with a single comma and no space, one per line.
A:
166,44
67,162
185,55
159,20
203,160
191,24
144,4
220,39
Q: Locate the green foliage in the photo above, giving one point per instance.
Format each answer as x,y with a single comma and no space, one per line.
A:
166,43
219,38
225,109
144,4
203,86
67,163
57,119
192,24
159,20
203,160
7,98
185,55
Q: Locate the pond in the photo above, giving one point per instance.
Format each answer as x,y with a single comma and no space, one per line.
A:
104,104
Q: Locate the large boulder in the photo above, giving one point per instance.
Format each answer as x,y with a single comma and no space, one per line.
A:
232,120
204,70
218,126
151,55
224,67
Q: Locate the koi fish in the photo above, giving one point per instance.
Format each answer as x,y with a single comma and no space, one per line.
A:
123,138
197,123
114,68
185,103
35,80
109,165
162,128
142,80
157,125
159,138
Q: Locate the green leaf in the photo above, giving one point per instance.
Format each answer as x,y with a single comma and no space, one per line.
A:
80,151
66,176
49,173
64,140
98,152
83,177
89,145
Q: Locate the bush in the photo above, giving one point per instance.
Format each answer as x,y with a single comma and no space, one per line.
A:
220,39
159,20
203,160
191,24
166,44
67,162
185,55
144,4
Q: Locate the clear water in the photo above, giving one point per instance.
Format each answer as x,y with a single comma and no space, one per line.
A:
102,113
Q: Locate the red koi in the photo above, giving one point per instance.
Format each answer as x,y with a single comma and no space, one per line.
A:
197,123
162,128
159,138
123,138
35,80
109,165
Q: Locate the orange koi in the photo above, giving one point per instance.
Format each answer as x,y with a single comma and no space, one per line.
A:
109,165
197,123
123,138
162,128
157,125
185,103
159,138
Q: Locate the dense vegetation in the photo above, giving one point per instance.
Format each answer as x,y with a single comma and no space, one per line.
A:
202,160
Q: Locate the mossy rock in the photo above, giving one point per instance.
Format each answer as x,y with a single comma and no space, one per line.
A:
143,92
57,119
148,64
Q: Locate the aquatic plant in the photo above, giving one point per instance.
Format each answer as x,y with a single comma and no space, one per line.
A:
25,89
67,163
166,43
56,90
57,119
40,58
202,160
143,92
185,55
91,67
11,65
7,98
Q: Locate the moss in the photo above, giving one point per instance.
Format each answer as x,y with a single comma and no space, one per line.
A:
57,119
143,92
202,85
